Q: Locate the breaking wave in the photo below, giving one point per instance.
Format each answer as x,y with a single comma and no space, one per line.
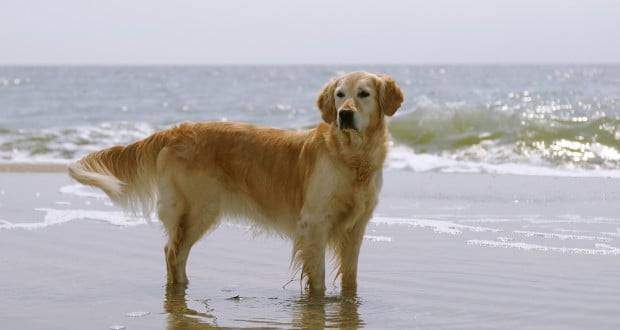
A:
485,138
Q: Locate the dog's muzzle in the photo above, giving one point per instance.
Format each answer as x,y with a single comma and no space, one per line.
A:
345,119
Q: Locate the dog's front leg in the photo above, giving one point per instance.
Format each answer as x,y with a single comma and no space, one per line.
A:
348,254
309,250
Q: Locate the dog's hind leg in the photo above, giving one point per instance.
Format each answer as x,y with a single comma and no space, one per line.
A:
191,228
171,209
185,226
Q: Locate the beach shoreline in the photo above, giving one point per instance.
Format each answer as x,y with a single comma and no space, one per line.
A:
33,167
442,251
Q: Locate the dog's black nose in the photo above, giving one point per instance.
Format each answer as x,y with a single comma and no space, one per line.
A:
345,118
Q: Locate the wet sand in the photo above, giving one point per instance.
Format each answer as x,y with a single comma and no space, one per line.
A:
33,167
443,251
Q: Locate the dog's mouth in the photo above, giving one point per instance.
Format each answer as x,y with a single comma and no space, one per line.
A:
347,127
346,120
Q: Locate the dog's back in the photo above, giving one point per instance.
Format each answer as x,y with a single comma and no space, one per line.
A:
270,165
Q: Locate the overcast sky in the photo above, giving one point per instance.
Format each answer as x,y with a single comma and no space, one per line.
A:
317,31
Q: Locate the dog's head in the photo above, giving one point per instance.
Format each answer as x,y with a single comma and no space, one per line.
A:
358,101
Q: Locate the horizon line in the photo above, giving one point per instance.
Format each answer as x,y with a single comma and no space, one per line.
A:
259,64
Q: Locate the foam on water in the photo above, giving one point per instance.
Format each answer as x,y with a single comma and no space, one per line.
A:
612,234
61,145
607,250
561,236
82,191
510,238
137,314
438,226
404,158
374,238
56,217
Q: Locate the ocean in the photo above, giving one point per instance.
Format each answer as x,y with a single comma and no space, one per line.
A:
524,119
449,245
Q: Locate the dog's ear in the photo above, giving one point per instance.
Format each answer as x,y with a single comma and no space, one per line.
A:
390,95
326,102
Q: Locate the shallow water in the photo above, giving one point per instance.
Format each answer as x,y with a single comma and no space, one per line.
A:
299,311
443,251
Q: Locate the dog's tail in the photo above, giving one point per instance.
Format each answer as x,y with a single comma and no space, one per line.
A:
126,174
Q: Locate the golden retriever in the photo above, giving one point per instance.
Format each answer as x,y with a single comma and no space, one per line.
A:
319,186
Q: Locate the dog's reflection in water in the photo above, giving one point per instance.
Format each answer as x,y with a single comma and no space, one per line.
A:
308,312
332,312
179,315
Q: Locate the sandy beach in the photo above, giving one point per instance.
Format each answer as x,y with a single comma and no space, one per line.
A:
443,251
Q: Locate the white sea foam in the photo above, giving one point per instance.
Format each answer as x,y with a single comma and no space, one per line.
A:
374,238
611,234
404,158
509,240
64,145
137,314
82,191
561,236
598,250
438,226
55,217
604,246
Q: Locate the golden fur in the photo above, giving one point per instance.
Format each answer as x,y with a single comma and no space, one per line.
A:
319,187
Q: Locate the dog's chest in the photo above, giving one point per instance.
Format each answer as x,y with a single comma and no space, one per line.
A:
354,202
339,195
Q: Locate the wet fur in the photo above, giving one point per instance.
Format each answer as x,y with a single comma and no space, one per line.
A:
319,187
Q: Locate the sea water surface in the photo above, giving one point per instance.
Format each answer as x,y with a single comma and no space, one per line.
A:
540,120
442,251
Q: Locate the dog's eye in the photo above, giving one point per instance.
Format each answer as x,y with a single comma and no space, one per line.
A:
340,94
363,94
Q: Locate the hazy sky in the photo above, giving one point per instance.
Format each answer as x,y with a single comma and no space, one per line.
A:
317,31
